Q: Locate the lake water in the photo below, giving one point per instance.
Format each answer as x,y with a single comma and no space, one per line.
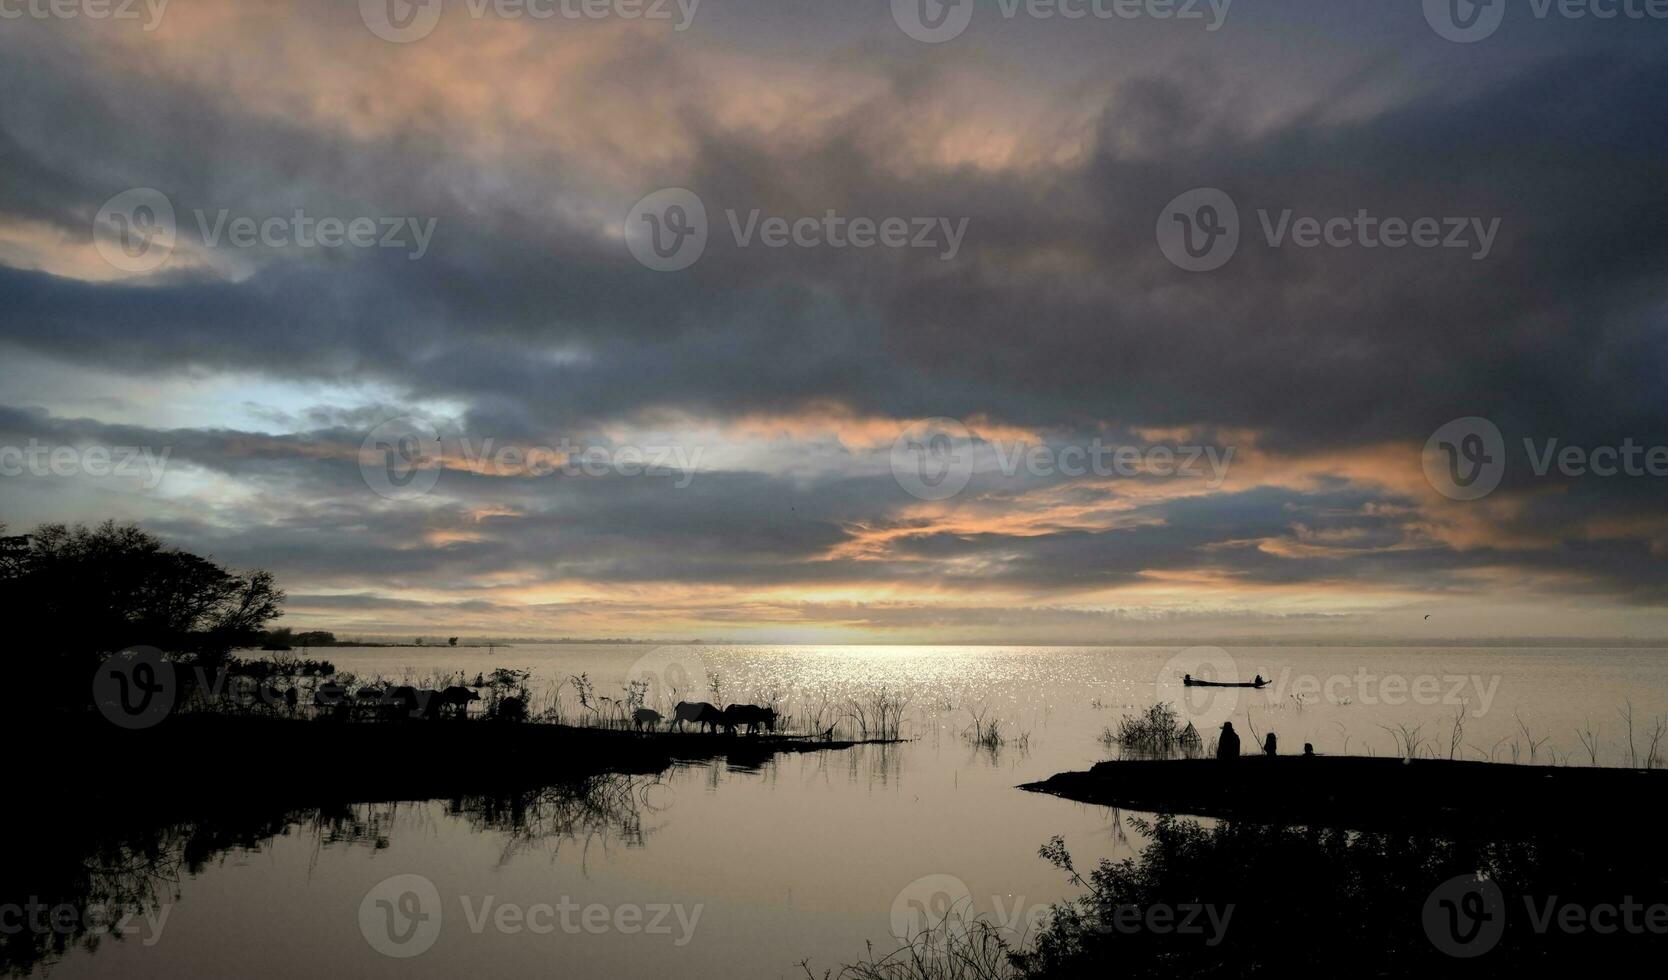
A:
720,871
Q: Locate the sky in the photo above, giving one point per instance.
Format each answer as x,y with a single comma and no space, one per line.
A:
793,321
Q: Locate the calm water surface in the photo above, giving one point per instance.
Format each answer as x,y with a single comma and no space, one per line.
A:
811,856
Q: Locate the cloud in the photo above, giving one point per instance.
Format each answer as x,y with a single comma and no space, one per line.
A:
1059,320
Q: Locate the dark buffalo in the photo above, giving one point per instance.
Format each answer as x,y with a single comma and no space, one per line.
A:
512,709
457,698
751,715
699,712
645,718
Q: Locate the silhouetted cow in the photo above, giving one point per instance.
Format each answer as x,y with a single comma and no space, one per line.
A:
458,698
645,717
512,709
699,712
751,715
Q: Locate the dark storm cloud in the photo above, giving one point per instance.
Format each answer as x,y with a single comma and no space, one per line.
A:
1553,332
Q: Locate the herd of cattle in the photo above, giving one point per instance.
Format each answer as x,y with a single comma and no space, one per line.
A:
398,702
752,716
404,701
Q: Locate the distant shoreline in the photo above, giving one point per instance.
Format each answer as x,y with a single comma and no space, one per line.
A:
1554,642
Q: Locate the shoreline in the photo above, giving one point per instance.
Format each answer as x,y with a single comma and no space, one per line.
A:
1369,793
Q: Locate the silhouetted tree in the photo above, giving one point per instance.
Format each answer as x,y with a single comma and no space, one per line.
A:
104,588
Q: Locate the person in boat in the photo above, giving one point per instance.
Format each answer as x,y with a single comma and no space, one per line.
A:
1270,745
1227,744
1187,680
1259,681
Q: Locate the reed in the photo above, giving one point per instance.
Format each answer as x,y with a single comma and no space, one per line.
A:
878,716
989,734
1157,729
955,949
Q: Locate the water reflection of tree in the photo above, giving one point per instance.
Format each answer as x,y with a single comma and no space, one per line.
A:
89,861
600,808
1315,901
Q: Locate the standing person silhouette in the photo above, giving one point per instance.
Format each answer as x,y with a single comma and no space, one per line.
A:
1269,744
1227,745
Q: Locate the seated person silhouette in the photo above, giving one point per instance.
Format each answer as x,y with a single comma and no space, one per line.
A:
1308,750
1269,745
1227,745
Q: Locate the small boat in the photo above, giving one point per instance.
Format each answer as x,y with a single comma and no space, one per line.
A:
1190,682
